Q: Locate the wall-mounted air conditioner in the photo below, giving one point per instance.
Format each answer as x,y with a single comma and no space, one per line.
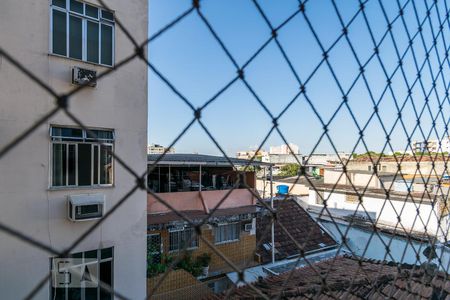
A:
85,207
82,76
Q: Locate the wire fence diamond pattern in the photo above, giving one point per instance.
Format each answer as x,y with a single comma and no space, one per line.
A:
421,67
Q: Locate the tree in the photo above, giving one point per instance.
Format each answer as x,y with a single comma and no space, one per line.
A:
289,170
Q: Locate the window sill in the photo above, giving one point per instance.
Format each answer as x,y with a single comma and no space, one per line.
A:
81,61
227,242
181,250
87,187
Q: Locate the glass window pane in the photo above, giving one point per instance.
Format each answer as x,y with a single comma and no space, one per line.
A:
107,252
72,165
58,294
105,165
60,3
106,277
67,132
91,11
95,165
75,37
59,35
101,135
59,165
84,164
90,254
92,41
76,255
76,6
107,15
74,293
90,293
107,45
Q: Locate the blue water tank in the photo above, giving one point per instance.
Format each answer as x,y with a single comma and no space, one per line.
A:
282,189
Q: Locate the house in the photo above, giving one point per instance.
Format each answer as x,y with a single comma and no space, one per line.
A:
58,181
410,208
299,230
348,277
210,191
425,164
298,241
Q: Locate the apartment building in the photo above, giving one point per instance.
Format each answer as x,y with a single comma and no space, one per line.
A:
194,185
284,149
432,146
61,165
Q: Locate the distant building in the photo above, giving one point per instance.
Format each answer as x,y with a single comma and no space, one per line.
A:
158,149
428,164
284,149
316,163
433,146
249,154
342,193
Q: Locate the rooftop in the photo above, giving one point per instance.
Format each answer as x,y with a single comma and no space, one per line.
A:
400,158
198,215
351,278
201,159
301,227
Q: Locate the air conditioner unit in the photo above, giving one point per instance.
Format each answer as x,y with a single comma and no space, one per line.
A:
248,227
85,207
82,76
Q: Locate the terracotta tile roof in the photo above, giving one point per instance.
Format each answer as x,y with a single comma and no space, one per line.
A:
300,226
348,278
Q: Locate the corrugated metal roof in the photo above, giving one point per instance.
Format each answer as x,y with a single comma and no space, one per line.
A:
200,159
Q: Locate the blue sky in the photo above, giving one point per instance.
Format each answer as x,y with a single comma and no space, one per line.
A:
192,60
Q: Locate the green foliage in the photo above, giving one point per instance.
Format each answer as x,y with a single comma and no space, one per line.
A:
157,263
289,170
189,265
186,263
204,259
372,154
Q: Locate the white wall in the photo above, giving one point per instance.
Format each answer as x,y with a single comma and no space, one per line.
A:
26,203
386,215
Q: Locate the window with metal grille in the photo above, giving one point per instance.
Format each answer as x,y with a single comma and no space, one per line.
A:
226,233
180,237
82,31
78,159
154,248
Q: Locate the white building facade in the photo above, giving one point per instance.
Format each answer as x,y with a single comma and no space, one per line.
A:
418,216
284,149
433,146
60,160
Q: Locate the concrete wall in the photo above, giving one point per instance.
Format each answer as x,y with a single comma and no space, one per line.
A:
407,167
193,201
358,179
27,203
427,219
294,189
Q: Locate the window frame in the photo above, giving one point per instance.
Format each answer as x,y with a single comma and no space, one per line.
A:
85,139
237,224
85,18
183,235
99,261
161,248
